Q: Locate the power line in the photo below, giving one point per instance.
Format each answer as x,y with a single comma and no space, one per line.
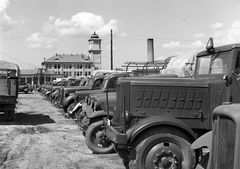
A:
128,36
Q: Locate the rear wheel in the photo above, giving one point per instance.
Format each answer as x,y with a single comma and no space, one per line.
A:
164,151
96,140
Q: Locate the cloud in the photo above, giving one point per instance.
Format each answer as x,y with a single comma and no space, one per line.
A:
177,45
7,24
199,35
217,25
232,35
82,23
172,45
38,41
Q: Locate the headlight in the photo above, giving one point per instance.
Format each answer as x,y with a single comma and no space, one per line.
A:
128,117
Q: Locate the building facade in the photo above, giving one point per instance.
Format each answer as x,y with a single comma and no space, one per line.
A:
66,65
69,65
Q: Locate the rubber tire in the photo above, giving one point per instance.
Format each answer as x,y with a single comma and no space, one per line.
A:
90,134
145,146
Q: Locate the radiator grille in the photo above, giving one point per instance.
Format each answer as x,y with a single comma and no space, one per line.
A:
224,136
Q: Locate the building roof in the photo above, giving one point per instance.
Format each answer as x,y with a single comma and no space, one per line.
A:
67,58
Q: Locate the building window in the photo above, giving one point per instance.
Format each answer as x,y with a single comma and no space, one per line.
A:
81,73
70,73
80,66
55,66
70,66
89,73
29,80
58,66
77,73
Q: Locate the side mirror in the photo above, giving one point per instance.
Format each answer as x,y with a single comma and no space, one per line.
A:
210,45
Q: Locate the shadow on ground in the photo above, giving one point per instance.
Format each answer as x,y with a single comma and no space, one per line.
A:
29,118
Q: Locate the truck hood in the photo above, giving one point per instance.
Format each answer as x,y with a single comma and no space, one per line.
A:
193,82
76,88
88,92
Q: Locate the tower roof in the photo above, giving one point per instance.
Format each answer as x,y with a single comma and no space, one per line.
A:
94,35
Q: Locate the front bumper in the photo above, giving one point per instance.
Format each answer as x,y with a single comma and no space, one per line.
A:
115,135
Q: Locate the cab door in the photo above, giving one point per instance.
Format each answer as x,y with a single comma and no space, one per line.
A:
235,80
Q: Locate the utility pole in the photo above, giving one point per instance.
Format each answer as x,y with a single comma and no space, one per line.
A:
111,52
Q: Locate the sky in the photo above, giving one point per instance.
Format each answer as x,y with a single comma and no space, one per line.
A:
31,30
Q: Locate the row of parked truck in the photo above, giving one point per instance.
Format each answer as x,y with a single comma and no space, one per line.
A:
162,121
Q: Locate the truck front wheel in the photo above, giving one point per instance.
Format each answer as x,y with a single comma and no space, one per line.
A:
163,151
96,140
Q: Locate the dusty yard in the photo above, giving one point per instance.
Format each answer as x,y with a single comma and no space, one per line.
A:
42,138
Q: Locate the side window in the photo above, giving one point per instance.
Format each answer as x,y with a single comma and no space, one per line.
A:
237,69
112,83
98,83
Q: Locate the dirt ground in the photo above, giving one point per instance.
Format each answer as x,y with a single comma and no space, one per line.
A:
42,138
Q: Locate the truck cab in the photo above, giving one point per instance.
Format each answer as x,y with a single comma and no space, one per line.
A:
170,113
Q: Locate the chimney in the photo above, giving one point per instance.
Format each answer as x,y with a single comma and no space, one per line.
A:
150,50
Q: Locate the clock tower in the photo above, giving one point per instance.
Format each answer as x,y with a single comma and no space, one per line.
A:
95,50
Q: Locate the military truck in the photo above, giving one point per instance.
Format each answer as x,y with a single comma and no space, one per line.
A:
9,79
156,120
95,109
223,140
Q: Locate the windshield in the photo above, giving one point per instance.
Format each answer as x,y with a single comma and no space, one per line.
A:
216,63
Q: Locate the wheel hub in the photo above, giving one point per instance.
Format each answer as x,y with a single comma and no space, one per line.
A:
166,160
164,156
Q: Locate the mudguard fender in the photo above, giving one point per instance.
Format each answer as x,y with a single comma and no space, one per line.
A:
67,100
79,104
203,141
99,113
153,121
